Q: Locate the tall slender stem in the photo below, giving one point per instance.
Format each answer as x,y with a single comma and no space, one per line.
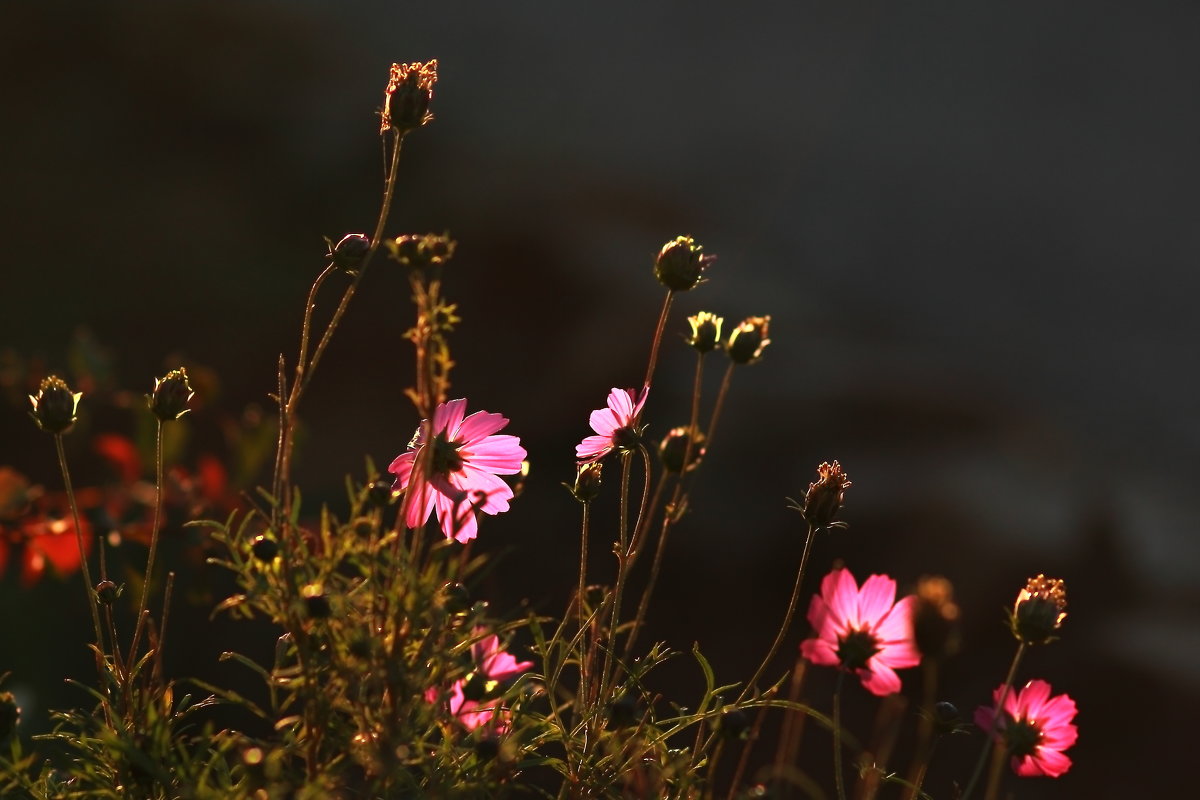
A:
839,780
605,677
83,562
724,390
658,332
987,745
158,503
581,695
787,619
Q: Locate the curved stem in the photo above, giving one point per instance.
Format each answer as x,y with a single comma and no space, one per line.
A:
158,503
83,562
658,332
787,619
837,737
987,745
712,422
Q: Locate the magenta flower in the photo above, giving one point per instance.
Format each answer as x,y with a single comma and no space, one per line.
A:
862,631
615,426
462,466
1035,728
466,699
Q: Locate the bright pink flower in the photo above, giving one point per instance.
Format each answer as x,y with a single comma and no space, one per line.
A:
1035,728
493,666
614,425
862,631
463,462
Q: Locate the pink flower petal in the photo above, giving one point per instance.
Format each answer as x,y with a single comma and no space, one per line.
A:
593,447
820,651
604,422
843,599
448,416
1051,762
401,467
875,599
621,403
480,424
1031,699
420,506
456,517
471,481
501,455
879,679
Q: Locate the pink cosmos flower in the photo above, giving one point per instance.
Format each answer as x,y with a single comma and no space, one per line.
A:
493,666
1035,728
862,631
614,425
462,464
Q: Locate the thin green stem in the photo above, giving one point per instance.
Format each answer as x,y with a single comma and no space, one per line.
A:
158,503
787,619
999,711
83,562
658,333
839,780
622,571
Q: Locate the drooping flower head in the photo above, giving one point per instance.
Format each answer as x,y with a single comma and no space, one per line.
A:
615,426
862,631
1035,728
1040,610
472,700
461,462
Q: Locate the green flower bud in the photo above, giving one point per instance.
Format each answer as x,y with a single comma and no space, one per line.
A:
54,406
748,340
171,394
680,264
1039,611
348,254
706,331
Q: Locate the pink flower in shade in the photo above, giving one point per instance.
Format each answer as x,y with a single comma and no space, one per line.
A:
614,426
493,666
862,631
1035,728
462,464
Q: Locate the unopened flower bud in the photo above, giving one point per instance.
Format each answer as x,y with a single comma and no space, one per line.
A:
456,598
623,712
406,98
680,264
476,687
9,714
824,497
734,724
107,592
171,394
348,254
674,449
55,405
587,482
379,493
1040,610
748,340
316,602
945,717
265,548
935,617
421,250
706,331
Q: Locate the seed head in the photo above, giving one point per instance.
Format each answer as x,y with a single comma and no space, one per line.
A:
54,406
680,264
748,340
825,495
171,394
706,331
406,98
674,448
1040,610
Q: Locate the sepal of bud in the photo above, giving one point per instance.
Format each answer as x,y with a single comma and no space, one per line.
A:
706,331
349,252
406,98
171,394
674,448
587,482
825,496
748,340
1039,611
55,405
681,264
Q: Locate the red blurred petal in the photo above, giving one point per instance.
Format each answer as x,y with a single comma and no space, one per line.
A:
52,542
121,453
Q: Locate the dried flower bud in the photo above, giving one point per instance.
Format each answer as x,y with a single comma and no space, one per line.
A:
935,617
406,98
348,254
706,331
54,406
734,724
587,482
1040,610
674,449
824,497
748,340
171,394
680,264
422,250
107,592
265,548
9,714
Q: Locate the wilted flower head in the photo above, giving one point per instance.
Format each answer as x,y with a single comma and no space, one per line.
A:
55,405
421,250
615,426
406,98
457,470
748,340
1040,610
825,495
171,394
680,264
674,449
706,331
587,481
862,631
935,617
349,252
1034,727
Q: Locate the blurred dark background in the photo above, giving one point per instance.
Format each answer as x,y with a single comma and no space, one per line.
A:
973,226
